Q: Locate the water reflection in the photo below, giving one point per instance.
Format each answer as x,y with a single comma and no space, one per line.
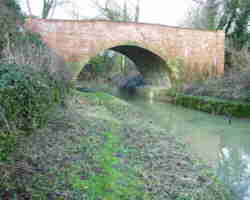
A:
234,170
224,146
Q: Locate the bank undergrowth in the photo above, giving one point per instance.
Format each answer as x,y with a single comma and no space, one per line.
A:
211,105
33,83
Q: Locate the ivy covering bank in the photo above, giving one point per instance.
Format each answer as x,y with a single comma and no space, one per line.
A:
212,104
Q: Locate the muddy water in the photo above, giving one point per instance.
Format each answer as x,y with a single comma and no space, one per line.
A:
221,142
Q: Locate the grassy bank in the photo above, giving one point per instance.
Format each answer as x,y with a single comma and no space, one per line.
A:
212,105
102,147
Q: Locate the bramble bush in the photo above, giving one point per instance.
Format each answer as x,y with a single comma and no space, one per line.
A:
33,81
10,17
26,96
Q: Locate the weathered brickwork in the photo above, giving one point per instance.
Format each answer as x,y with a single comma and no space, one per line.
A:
78,41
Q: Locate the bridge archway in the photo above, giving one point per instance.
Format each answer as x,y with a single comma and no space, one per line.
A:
151,66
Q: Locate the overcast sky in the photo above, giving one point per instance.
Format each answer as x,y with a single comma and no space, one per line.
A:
169,12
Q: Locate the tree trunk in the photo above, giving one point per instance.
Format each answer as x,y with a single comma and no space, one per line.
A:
29,8
137,11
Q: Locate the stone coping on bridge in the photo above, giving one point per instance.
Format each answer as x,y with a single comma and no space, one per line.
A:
123,22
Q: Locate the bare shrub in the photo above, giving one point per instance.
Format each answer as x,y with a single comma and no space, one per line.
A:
233,86
236,60
10,19
30,50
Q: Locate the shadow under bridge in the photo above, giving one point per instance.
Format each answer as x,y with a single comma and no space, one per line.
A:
152,67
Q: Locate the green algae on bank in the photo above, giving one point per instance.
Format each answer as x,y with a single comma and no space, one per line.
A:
212,105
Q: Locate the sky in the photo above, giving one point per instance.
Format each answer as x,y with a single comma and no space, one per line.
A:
168,12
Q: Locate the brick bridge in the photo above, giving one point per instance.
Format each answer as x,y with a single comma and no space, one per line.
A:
157,50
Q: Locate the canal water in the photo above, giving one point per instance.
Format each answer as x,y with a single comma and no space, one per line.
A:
221,142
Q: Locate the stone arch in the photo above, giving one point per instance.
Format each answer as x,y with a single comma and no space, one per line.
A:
153,67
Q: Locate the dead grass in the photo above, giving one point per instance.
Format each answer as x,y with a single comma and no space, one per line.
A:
233,86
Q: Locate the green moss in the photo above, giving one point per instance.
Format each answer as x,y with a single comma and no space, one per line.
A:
111,182
75,68
97,97
175,65
7,145
212,105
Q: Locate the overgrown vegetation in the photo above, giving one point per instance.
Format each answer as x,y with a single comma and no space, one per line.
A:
231,87
33,81
26,97
10,19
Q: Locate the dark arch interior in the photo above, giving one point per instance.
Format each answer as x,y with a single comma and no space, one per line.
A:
152,67
142,67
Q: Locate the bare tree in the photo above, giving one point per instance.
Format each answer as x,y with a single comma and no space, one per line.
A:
232,16
203,14
28,7
137,11
111,10
74,11
48,7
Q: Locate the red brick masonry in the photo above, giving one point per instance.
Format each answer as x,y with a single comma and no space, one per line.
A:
78,41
